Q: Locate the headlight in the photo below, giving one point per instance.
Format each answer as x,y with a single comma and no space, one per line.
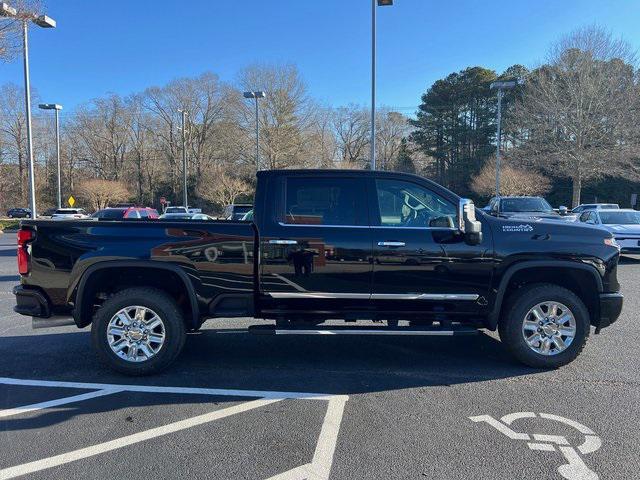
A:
611,242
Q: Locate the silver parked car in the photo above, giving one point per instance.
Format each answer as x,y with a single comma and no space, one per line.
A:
595,206
623,223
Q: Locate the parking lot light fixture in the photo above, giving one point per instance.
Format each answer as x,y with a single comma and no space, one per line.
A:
256,95
501,86
7,11
45,22
375,4
57,108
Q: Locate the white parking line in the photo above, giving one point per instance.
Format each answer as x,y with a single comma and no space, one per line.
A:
57,402
178,390
318,469
81,453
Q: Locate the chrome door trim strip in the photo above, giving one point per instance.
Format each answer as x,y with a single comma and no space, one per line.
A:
372,331
325,295
425,296
377,296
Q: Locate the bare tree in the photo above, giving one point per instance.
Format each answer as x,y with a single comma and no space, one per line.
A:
101,193
285,113
223,188
513,181
391,128
352,128
578,110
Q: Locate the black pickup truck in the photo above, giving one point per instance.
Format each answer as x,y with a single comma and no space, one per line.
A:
324,245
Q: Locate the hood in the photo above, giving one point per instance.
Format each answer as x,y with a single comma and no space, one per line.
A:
620,230
538,215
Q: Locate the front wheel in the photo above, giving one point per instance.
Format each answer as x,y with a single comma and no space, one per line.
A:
544,326
138,331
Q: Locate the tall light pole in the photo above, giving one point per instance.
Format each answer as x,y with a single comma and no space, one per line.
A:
184,158
57,108
44,22
374,5
501,86
256,95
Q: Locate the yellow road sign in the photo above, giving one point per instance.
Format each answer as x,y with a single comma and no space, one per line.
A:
71,201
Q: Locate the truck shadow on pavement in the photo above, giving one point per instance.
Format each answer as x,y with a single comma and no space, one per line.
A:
239,360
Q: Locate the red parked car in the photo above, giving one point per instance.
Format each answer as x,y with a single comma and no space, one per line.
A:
143,213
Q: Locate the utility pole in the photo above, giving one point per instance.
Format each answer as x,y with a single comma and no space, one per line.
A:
184,158
501,86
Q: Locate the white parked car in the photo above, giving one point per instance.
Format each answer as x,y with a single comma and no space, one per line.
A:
69,214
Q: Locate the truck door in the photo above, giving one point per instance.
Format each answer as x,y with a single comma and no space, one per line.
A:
317,245
421,262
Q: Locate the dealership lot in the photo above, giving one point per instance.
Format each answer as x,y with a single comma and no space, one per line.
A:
243,406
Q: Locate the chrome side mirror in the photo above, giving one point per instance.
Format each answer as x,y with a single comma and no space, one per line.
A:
563,210
468,225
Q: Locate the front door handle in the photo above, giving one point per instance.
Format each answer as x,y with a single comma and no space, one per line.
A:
391,244
283,242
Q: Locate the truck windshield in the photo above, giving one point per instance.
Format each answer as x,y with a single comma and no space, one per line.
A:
620,218
525,204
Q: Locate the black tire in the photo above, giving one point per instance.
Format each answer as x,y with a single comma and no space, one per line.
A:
168,311
513,317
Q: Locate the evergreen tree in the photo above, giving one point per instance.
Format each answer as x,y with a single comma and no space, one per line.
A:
405,163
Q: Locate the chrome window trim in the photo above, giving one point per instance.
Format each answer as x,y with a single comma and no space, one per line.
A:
282,224
377,296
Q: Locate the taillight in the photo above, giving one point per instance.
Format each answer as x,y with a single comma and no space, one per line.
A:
24,237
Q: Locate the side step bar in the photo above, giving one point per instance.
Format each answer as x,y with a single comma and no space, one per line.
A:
349,330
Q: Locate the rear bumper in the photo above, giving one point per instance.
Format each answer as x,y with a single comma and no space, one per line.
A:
610,308
31,302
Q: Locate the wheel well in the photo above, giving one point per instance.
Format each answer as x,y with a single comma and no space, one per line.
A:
105,282
579,281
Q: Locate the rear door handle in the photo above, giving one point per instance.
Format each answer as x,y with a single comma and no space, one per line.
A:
391,244
283,242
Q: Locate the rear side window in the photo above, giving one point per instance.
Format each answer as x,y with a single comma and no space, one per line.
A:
143,213
325,201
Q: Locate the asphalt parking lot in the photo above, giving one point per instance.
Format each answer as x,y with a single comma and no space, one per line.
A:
256,407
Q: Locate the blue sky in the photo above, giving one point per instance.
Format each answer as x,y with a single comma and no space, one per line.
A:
124,47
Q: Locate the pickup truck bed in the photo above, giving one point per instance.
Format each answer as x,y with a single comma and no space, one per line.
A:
328,244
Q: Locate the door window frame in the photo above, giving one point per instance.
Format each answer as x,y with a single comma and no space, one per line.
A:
374,209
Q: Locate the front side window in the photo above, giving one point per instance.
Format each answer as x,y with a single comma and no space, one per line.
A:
325,201
404,204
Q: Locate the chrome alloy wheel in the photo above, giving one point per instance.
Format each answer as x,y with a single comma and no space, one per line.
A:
549,328
136,333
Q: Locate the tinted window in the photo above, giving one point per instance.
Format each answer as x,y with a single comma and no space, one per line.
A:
584,217
110,213
404,204
143,214
325,201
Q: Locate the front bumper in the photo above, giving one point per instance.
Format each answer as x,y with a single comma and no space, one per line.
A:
610,308
31,302
628,245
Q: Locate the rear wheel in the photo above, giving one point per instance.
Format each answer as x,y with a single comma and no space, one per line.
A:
138,331
544,326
